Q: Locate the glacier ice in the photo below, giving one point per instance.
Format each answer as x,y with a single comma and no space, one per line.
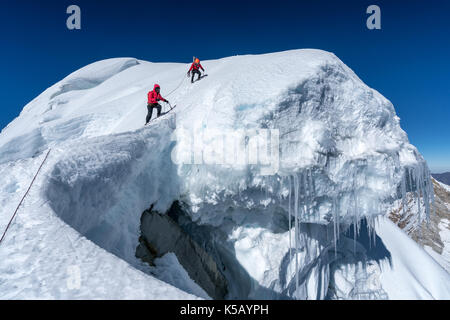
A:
343,158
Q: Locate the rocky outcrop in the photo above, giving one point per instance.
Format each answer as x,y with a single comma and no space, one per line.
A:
426,233
160,234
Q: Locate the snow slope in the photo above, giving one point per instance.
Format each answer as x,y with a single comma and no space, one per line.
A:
406,278
342,157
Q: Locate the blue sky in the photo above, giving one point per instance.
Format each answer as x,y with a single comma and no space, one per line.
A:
407,61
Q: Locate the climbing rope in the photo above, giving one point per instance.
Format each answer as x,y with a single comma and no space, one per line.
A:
178,87
24,196
182,80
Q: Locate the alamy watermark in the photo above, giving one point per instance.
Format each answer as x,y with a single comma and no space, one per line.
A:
73,22
374,20
235,149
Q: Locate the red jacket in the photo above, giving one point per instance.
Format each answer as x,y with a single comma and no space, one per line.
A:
154,97
196,66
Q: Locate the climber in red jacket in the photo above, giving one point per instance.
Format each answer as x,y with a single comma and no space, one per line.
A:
195,69
153,98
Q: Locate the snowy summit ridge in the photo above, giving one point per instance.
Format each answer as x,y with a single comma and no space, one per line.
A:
343,158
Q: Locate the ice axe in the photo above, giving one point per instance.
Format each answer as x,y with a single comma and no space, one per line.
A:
170,106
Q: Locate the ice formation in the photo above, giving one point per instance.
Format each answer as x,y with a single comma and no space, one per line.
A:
283,214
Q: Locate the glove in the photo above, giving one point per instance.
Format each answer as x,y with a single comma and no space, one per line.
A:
188,74
167,101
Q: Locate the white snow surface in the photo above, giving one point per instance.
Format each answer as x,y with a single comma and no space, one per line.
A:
169,269
411,274
343,156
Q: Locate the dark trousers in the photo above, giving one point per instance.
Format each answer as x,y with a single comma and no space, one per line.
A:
194,72
150,108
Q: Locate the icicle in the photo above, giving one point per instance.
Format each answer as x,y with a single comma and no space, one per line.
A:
403,187
416,182
338,215
355,214
305,195
425,197
354,235
301,190
296,192
410,181
311,195
419,186
335,225
374,234
308,200
313,188
290,219
431,191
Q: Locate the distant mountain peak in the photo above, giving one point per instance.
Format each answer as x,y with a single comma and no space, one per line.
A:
442,177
